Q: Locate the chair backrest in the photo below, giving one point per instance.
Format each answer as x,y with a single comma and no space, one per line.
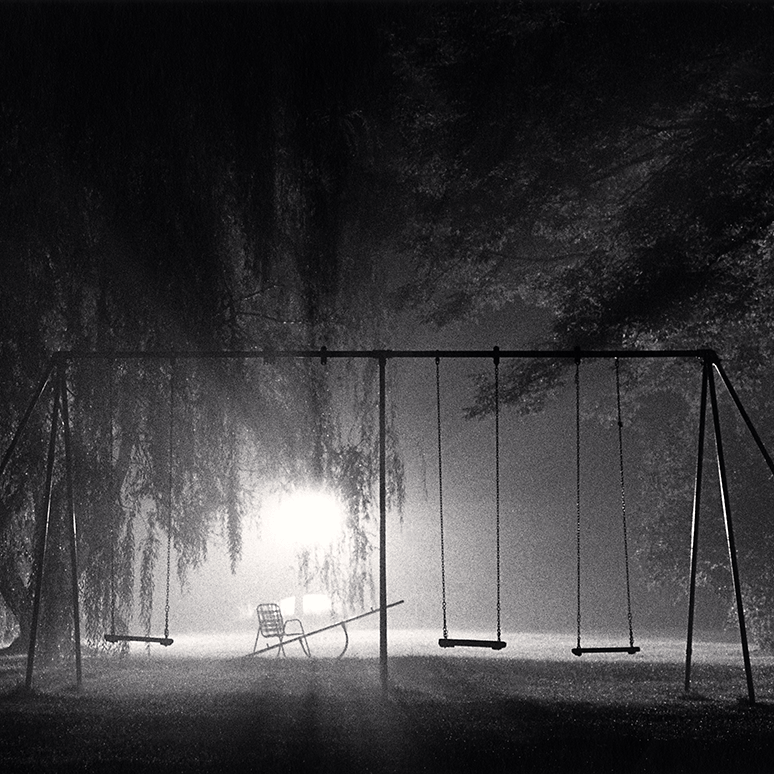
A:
270,621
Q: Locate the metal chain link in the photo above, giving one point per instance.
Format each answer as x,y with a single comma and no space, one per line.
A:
623,502
169,490
440,491
578,492
113,535
497,478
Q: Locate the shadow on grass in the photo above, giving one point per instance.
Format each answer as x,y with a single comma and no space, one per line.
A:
444,715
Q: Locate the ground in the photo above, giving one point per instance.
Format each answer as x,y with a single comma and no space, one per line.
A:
443,713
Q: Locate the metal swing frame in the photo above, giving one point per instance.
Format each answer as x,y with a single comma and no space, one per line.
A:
55,374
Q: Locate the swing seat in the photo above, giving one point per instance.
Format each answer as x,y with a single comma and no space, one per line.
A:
631,650
113,638
445,642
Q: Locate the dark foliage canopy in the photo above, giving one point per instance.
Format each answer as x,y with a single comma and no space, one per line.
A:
611,164
189,177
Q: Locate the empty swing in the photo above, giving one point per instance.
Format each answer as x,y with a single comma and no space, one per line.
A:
579,650
446,641
112,636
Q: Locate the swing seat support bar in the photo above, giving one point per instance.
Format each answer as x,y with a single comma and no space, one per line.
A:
445,642
113,638
626,649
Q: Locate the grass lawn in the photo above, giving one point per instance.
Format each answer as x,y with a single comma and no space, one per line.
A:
444,713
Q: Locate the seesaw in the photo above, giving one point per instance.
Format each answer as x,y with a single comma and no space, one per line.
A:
343,624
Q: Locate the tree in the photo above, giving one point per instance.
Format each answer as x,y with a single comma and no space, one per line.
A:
170,180
676,255
611,165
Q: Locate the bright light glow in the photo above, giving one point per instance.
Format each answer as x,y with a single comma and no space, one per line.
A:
316,604
311,604
288,607
307,518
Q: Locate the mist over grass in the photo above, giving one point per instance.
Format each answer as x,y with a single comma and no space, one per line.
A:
718,648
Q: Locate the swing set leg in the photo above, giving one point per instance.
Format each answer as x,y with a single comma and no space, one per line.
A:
59,413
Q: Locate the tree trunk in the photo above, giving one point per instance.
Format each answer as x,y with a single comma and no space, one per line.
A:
18,599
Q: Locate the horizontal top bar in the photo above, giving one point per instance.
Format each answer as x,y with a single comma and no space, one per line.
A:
386,354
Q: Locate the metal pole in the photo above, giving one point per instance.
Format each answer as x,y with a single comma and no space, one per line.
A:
73,528
744,415
43,540
269,354
26,417
383,525
695,523
730,538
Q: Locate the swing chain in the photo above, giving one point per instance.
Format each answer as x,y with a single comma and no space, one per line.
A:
623,502
497,478
440,492
578,493
113,535
169,491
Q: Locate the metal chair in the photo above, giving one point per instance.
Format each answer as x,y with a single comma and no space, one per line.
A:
272,624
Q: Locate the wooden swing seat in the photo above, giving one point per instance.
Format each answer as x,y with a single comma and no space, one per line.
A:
445,642
625,649
113,638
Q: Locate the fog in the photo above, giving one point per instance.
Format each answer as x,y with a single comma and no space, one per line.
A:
538,512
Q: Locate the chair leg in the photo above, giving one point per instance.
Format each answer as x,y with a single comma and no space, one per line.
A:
300,634
255,644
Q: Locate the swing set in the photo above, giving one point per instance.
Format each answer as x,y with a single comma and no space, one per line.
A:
499,644
55,380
